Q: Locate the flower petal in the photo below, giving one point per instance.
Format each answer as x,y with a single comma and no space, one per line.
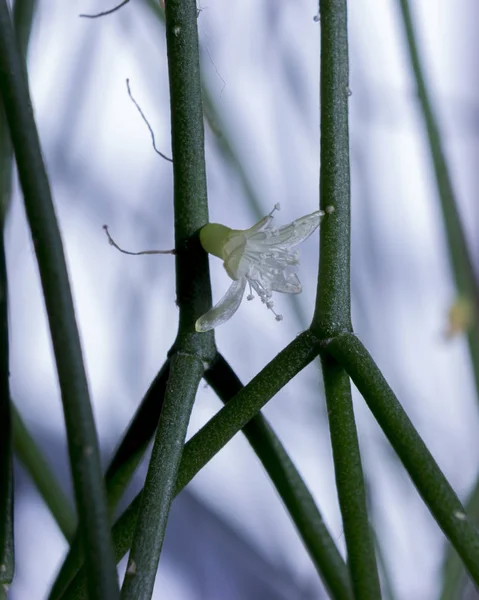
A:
290,235
225,308
287,283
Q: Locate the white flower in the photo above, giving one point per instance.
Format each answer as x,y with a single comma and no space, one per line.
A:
262,257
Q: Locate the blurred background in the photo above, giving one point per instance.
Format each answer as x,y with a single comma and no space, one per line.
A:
229,536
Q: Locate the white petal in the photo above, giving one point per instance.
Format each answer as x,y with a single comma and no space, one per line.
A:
225,308
287,283
290,235
262,225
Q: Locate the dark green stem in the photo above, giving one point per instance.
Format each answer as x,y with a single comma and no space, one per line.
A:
219,430
30,455
82,439
290,486
460,258
332,315
203,446
350,481
191,349
23,21
7,561
453,573
122,467
416,458
186,372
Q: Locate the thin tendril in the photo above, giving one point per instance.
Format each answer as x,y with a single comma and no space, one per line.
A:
147,123
106,12
115,245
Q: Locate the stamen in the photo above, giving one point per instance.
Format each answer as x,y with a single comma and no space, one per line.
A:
250,295
276,207
115,245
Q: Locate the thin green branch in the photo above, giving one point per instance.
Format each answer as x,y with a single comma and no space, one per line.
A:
7,559
460,258
82,439
332,314
32,458
23,21
459,254
136,439
416,458
219,430
203,446
23,16
186,372
350,482
122,467
453,573
191,349
230,154
333,297
289,485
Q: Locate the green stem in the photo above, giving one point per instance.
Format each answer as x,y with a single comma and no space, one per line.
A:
23,15
460,258
122,467
416,458
23,23
7,558
219,430
186,372
81,434
350,482
191,349
203,446
289,485
332,314
39,470
453,572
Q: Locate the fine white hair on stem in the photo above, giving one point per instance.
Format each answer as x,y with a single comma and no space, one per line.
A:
150,129
105,12
115,245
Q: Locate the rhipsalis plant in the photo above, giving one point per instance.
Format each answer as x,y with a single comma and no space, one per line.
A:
263,259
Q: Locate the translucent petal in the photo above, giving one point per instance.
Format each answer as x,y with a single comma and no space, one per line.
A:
233,254
225,308
288,236
262,225
287,283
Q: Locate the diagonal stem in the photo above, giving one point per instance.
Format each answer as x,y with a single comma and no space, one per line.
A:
430,482
211,438
289,485
122,467
82,439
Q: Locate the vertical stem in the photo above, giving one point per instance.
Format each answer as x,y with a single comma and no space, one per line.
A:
333,302
289,485
425,473
185,375
7,554
333,305
6,457
121,468
350,482
81,433
191,349
460,259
